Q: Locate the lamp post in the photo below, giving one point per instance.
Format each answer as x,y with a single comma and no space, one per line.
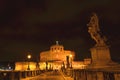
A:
70,61
29,57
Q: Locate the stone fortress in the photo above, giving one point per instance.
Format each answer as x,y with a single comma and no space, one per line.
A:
55,58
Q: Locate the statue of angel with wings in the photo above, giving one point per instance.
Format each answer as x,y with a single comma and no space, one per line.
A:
94,30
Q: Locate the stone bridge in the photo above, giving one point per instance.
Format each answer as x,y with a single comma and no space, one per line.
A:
68,74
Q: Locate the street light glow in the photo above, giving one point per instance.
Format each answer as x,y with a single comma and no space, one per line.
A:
71,55
29,56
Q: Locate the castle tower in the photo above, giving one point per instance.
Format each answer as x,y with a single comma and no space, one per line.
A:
56,56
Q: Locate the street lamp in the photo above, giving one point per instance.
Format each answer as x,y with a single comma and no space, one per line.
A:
71,60
29,57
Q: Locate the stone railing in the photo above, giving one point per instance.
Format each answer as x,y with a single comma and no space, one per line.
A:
19,75
93,74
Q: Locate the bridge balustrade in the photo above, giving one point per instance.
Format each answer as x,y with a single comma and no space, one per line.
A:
18,75
93,74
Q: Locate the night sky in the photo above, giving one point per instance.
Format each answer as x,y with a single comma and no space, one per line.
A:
34,25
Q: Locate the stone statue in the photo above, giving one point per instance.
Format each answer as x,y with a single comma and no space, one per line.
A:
94,30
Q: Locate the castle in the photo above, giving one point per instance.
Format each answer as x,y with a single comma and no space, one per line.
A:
55,58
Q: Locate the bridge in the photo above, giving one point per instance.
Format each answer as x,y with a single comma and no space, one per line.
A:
68,74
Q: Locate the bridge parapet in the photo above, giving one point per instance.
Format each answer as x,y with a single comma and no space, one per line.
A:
19,75
93,74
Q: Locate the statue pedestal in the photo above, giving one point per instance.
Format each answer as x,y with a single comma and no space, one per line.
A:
101,57
100,53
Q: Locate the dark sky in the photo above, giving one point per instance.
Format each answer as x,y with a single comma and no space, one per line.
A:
34,25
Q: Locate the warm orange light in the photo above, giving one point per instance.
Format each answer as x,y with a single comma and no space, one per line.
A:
29,56
71,56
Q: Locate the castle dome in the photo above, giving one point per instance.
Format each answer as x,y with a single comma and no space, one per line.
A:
57,47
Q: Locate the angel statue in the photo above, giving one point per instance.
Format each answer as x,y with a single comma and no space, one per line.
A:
94,30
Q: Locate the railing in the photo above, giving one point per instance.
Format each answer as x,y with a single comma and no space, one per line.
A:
76,74
19,75
93,74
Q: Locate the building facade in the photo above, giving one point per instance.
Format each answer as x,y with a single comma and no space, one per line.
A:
55,57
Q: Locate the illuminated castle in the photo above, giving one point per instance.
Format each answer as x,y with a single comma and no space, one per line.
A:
56,56
56,53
